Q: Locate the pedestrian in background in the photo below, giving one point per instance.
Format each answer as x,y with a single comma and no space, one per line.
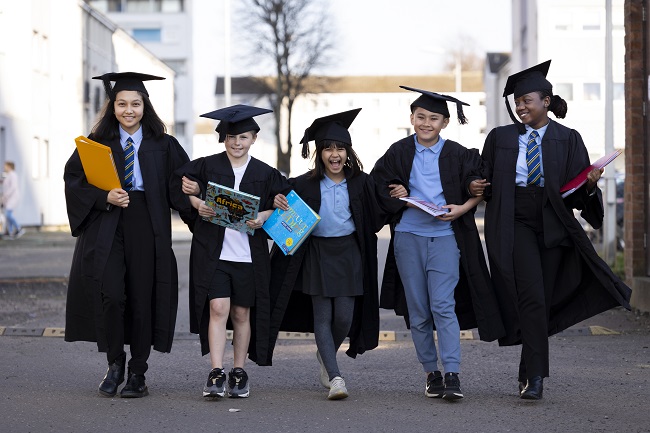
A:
123,285
546,273
229,270
10,199
435,274
335,269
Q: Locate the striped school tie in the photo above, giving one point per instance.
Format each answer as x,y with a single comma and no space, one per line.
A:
129,160
532,160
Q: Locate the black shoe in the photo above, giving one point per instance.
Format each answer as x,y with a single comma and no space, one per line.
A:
113,378
522,385
534,389
435,386
135,387
452,387
216,385
238,386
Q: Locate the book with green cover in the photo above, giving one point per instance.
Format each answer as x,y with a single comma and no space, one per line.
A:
290,228
233,207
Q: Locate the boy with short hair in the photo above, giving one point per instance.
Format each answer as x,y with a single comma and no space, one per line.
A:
439,260
230,270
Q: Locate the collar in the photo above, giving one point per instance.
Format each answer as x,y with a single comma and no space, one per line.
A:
436,148
540,131
136,136
329,183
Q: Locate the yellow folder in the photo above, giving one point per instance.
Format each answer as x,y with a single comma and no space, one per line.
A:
98,164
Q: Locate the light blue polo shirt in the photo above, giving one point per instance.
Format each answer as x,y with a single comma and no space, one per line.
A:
336,216
424,183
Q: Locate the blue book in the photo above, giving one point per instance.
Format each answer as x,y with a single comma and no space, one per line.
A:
233,207
290,228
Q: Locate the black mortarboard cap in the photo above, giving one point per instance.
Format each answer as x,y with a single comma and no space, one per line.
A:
437,103
332,127
236,119
125,81
527,81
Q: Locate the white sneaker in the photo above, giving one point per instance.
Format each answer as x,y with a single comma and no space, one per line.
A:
324,377
338,390
19,233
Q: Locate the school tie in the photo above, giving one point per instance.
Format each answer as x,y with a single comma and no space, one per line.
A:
129,160
533,160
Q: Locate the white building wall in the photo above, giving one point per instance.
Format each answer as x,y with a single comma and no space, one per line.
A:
574,37
571,33
48,54
175,48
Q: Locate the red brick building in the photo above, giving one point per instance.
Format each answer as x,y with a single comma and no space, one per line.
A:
637,139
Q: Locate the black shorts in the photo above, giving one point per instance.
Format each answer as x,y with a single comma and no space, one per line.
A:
233,280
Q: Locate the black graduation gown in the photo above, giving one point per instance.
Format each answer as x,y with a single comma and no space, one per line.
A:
585,285
292,307
94,225
476,304
261,180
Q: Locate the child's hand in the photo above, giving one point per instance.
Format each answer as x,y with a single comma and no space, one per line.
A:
593,177
397,190
260,220
118,197
477,187
190,187
455,211
281,202
206,211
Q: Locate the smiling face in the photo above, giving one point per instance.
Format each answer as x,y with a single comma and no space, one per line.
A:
532,109
237,147
129,108
334,158
428,125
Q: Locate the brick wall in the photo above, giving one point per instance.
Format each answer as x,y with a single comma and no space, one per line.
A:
636,45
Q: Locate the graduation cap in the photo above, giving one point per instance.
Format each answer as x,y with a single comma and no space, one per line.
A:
437,103
527,81
332,127
125,81
236,119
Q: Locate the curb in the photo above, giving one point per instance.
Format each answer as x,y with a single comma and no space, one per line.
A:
384,336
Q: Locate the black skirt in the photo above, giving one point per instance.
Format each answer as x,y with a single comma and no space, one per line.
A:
332,267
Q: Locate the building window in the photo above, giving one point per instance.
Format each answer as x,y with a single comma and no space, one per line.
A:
564,90
147,35
591,91
591,21
138,6
179,66
619,91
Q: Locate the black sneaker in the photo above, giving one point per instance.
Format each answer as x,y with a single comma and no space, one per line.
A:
435,386
452,387
238,383
216,385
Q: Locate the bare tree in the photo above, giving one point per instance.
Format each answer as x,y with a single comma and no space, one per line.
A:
471,58
294,36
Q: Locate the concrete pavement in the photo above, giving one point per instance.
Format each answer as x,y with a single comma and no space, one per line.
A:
600,381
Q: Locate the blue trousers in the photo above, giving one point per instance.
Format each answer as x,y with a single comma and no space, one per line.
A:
12,225
429,270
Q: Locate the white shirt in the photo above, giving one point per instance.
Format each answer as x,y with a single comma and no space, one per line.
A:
235,246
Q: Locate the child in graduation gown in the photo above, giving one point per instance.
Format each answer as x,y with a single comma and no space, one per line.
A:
546,273
333,274
435,273
229,270
123,285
